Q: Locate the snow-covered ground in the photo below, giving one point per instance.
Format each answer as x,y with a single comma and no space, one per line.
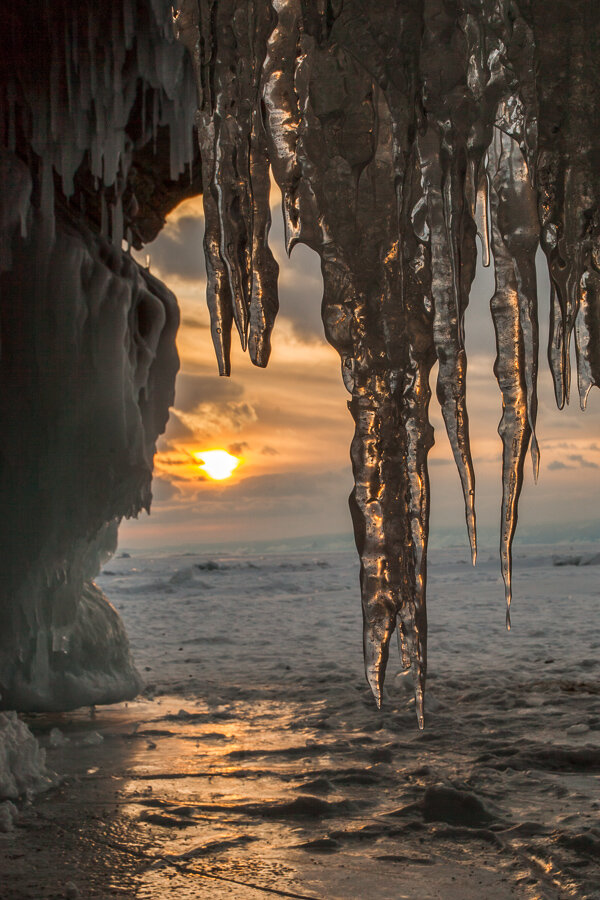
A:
256,763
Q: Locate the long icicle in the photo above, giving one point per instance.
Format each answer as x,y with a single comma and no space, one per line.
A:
515,234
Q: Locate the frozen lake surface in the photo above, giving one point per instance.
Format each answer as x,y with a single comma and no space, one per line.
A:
256,763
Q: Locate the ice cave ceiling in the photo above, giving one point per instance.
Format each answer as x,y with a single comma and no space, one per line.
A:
401,133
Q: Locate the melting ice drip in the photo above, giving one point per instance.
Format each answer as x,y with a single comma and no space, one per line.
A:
398,131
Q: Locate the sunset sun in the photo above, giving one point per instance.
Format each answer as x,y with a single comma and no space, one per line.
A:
218,464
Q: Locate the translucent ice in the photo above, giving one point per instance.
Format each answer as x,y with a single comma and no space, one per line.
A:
398,131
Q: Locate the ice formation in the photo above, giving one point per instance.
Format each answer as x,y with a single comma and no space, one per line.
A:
397,131
87,372
88,356
23,770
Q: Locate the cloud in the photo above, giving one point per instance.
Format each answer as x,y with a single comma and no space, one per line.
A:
269,451
300,286
192,390
178,252
194,322
178,249
210,419
300,292
238,448
163,489
280,493
582,461
557,464
177,430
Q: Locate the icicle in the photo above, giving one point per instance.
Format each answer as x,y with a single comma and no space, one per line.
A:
412,629
264,302
556,348
117,222
447,323
12,137
587,334
279,95
47,190
14,203
103,216
515,232
482,215
67,67
368,515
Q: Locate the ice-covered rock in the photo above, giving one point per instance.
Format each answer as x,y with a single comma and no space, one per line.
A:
579,728
96,132
23,768
92,739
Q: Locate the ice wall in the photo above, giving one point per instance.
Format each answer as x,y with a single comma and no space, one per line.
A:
398,131
95,101
86,378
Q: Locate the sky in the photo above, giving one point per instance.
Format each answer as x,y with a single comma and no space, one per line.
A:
291,428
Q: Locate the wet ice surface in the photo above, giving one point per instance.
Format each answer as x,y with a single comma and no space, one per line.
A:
257,764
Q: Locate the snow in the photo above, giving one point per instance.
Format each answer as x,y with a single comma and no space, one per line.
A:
9,815
284,614
255,753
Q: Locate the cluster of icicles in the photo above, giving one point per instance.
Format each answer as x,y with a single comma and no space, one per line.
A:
107,65
398,132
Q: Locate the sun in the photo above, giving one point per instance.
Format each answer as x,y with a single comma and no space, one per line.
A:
218,464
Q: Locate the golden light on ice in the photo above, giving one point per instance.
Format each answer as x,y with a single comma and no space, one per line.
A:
218,464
